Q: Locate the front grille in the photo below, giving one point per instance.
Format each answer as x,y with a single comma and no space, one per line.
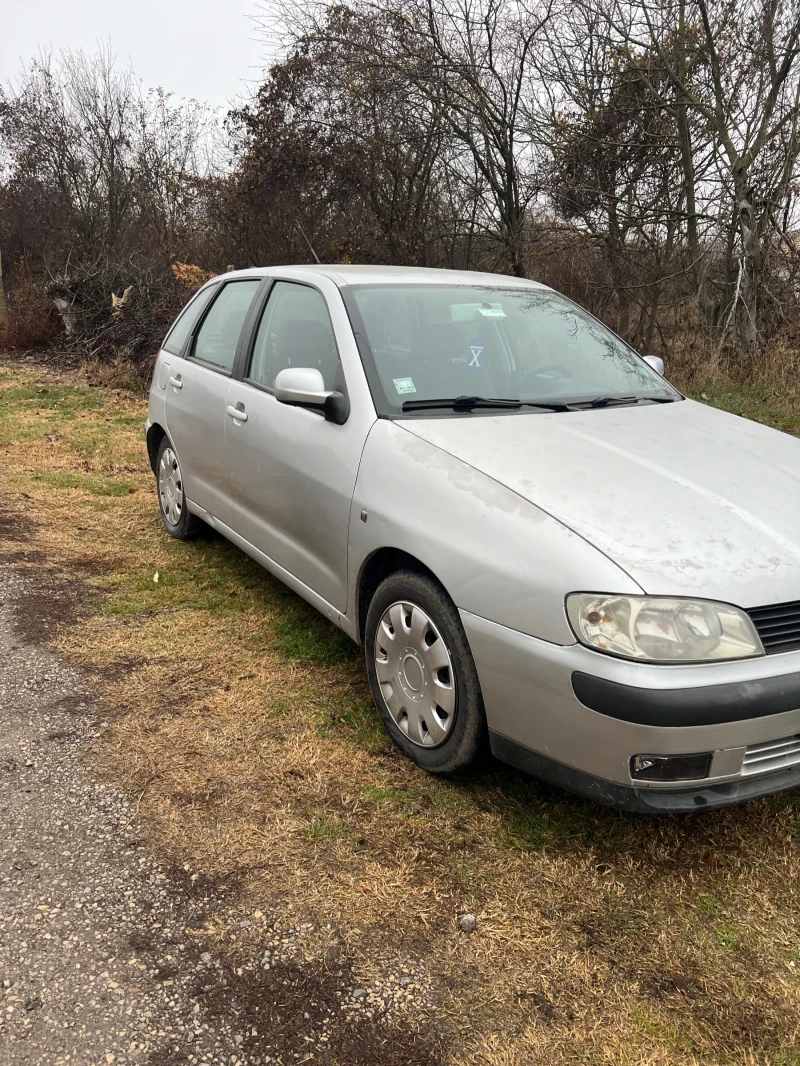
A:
771,755
778,626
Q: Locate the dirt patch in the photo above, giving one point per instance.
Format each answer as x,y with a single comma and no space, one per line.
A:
59,598
667,983
270,1002
14,525
281,1011
54,604
25,558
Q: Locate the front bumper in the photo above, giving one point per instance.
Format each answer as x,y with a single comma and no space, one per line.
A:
643,799
576,717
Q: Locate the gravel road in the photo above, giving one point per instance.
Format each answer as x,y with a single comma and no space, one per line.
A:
94,961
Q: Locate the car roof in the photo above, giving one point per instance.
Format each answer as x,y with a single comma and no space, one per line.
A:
350,274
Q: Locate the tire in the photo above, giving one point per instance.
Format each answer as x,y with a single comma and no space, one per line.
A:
425,686
178,520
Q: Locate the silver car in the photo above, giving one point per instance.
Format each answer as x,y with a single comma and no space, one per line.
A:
544,549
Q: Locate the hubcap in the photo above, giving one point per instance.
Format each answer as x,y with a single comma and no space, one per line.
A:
416,674
170,487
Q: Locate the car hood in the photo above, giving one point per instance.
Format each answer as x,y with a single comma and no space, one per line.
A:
686,499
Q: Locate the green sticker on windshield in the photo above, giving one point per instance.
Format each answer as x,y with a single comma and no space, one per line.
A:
403,385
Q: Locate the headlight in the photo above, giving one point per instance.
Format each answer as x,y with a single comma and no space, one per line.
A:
659,629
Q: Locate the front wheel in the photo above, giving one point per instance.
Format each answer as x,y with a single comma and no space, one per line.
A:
422,675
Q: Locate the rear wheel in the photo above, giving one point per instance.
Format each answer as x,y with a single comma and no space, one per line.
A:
177,519
422,675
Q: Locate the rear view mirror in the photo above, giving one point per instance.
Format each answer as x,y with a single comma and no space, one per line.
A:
656,362
304,387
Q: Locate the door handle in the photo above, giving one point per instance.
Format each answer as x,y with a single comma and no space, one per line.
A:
237,412
176,383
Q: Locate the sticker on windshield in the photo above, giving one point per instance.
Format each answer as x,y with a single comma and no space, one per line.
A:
403,385
467,312
475,360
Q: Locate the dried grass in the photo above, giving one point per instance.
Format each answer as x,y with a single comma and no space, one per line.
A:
601,938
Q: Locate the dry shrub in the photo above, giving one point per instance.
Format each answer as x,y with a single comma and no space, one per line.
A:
121,371
131,333
32,321
190,275
694,360
779,362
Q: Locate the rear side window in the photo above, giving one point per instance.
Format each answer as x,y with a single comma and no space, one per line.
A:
218,336
176,338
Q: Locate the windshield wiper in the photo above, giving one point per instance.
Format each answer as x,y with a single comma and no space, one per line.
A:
544,405
608,401
459,403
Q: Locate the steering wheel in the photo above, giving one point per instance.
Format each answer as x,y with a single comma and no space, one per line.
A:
551,372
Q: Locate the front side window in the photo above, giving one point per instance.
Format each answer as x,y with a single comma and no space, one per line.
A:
218,336
176,338
295,330
442,342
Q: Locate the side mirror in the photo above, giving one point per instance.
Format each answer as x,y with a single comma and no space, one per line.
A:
656,362
299,384
304,387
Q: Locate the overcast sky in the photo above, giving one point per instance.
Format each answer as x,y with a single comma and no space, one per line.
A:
189,47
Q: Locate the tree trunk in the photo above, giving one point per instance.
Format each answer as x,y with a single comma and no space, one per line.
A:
3,304
751,259
615,247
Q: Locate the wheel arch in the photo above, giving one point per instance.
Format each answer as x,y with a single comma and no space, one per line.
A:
378,565
155,435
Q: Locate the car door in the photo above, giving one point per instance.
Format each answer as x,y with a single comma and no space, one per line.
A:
293,472
197,393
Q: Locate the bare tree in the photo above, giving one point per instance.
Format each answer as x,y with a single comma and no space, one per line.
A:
609,159
467,63
732,69
478,59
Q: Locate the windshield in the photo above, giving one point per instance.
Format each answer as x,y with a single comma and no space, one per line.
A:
442,342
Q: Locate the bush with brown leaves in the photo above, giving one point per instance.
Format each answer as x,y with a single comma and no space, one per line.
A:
32,321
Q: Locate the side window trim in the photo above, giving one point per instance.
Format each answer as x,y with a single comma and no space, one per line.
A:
247,341
188,350
262,300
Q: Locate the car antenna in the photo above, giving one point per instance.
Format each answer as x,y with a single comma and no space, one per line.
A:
308,242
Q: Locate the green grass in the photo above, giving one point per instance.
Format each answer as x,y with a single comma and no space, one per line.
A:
760,403
67,400
95,484
530,827
709,905
210,574
356,718
325,828
304,636
400,797
728,938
